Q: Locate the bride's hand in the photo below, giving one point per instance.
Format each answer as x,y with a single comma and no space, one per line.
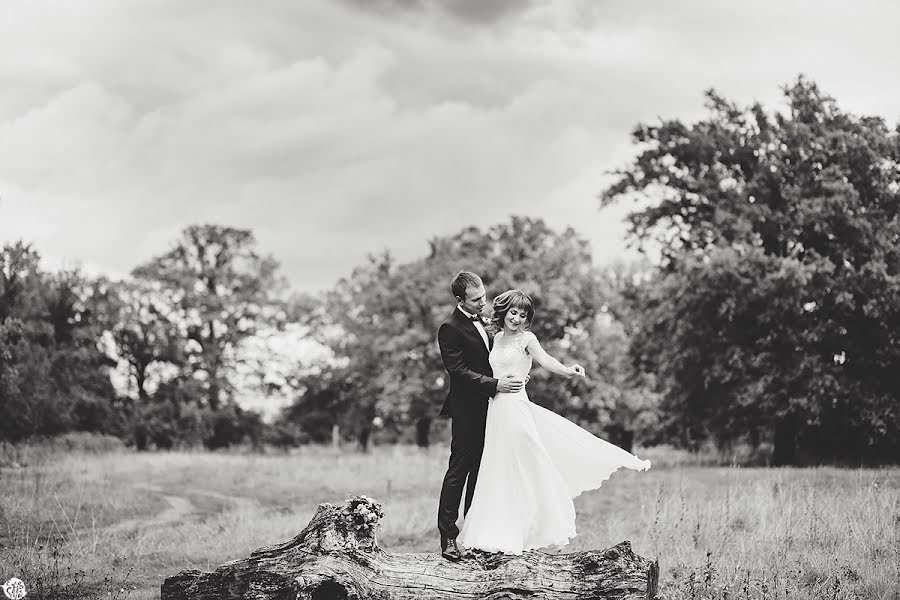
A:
575,370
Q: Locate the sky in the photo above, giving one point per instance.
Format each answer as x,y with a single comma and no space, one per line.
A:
334,129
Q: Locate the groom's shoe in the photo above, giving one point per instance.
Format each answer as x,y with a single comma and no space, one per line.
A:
449,549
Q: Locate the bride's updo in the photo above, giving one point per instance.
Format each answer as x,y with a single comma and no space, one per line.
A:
507,300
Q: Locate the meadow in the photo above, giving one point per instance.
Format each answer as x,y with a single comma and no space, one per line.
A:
115,524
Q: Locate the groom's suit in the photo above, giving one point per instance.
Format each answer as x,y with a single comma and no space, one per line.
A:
465,356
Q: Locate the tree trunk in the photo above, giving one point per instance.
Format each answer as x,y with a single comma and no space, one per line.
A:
754,438
785,442
423,429
211,357
213,392
363,437
141,377
140,437
336,556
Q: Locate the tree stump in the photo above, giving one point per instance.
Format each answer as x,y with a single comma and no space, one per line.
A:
336,557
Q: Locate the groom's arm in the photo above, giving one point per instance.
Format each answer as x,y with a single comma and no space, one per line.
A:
451,344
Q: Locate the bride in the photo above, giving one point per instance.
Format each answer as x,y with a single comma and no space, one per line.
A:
535,461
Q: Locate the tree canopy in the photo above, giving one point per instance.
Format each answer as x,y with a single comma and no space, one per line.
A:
774,314
221,290
53,377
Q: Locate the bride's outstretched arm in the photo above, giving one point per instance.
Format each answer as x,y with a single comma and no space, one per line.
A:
548,362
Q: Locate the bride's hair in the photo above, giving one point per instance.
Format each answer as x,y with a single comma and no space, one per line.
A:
511,299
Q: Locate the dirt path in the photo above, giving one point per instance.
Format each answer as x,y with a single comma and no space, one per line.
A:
179,508
236,502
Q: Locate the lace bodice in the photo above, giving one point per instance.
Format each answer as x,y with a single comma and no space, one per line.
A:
508,356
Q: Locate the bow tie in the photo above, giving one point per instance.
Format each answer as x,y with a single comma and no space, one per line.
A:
474,318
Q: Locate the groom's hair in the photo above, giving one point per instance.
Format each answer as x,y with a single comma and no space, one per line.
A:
463,281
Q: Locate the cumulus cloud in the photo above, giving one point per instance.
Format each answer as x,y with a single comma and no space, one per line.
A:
336,129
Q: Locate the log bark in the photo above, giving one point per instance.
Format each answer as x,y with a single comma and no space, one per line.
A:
337,557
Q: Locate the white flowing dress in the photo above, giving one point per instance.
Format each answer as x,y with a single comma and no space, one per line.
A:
534,463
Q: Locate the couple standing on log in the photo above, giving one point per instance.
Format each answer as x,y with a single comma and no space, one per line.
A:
532,462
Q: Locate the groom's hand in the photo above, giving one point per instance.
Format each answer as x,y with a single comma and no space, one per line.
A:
510,384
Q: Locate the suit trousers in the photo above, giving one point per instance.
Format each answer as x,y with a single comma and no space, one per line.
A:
466,447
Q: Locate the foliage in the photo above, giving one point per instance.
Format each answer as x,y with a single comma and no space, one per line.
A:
383,318
325,400
172,418
220,291
775,309
53,377
177,327
284,435
176,417
232,425
144,330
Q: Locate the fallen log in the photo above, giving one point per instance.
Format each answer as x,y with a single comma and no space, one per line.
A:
337,557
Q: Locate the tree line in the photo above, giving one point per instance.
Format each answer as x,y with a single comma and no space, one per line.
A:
175,325
767,314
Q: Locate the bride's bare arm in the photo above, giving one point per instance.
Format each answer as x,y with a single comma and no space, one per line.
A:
548,362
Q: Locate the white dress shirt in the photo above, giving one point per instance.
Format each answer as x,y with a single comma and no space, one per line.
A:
478,325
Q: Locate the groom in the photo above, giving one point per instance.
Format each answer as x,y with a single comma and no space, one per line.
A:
465,346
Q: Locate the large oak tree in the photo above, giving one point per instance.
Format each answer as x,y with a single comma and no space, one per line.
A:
220,291
776,309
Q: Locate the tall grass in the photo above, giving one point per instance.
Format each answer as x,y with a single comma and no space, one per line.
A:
100,525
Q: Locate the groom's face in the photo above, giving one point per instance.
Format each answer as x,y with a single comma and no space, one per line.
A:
474,301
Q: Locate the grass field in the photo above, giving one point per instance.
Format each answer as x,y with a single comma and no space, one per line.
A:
115,525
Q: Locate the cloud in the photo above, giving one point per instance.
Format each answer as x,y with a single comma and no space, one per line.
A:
470,11
335,129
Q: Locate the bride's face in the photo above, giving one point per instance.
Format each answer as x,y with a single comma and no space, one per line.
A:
515,318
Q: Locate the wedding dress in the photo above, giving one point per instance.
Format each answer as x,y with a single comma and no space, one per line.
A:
534,463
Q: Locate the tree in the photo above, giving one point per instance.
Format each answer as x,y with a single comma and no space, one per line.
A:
323,401
378,323
53,376
383,318
144,330
222,291
775,308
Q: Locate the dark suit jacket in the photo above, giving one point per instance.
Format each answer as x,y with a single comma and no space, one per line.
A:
466,360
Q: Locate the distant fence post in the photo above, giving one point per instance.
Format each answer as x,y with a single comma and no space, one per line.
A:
336,437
